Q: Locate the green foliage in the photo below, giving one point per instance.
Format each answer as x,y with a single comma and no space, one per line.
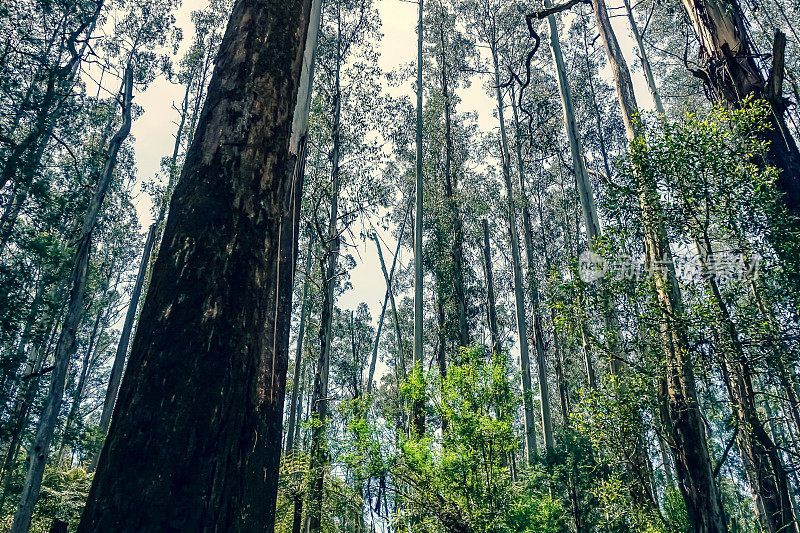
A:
64,493
463,482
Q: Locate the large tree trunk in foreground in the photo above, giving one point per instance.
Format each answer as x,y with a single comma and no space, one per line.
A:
699,489
196,439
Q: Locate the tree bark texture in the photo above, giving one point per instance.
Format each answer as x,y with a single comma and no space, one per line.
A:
196,439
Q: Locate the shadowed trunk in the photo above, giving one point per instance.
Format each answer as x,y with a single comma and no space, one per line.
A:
197,434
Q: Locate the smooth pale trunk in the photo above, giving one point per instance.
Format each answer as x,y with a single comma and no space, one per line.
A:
519,293
388,276
533,290
65,347
122,347
583,183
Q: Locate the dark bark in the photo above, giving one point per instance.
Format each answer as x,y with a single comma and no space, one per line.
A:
729,71
457,248
197,437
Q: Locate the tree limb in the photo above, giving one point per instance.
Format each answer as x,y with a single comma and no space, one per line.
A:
544,13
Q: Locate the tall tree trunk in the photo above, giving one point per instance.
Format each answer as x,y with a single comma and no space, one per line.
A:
533,291
648,71
761,458
65,348
688,439
490,300
401,363
563,393
207,372
117,366
329,269
584,184
298,352
297,162
457,249
519,295
94,340
418,404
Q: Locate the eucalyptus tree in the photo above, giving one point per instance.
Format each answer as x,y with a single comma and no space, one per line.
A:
486,19
452,54
231,315
348,89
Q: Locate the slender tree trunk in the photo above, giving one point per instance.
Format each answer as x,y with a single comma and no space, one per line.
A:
418,406
297,161
207,372
584,184
298,352
490,299
117,366
82,377
648,72
329,267
761,458
389,277
563,393
401,363
519,295
533,291
441,350
65,348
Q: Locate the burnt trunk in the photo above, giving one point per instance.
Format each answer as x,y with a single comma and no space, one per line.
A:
196,439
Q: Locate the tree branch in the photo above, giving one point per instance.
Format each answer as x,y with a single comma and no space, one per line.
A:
544,13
